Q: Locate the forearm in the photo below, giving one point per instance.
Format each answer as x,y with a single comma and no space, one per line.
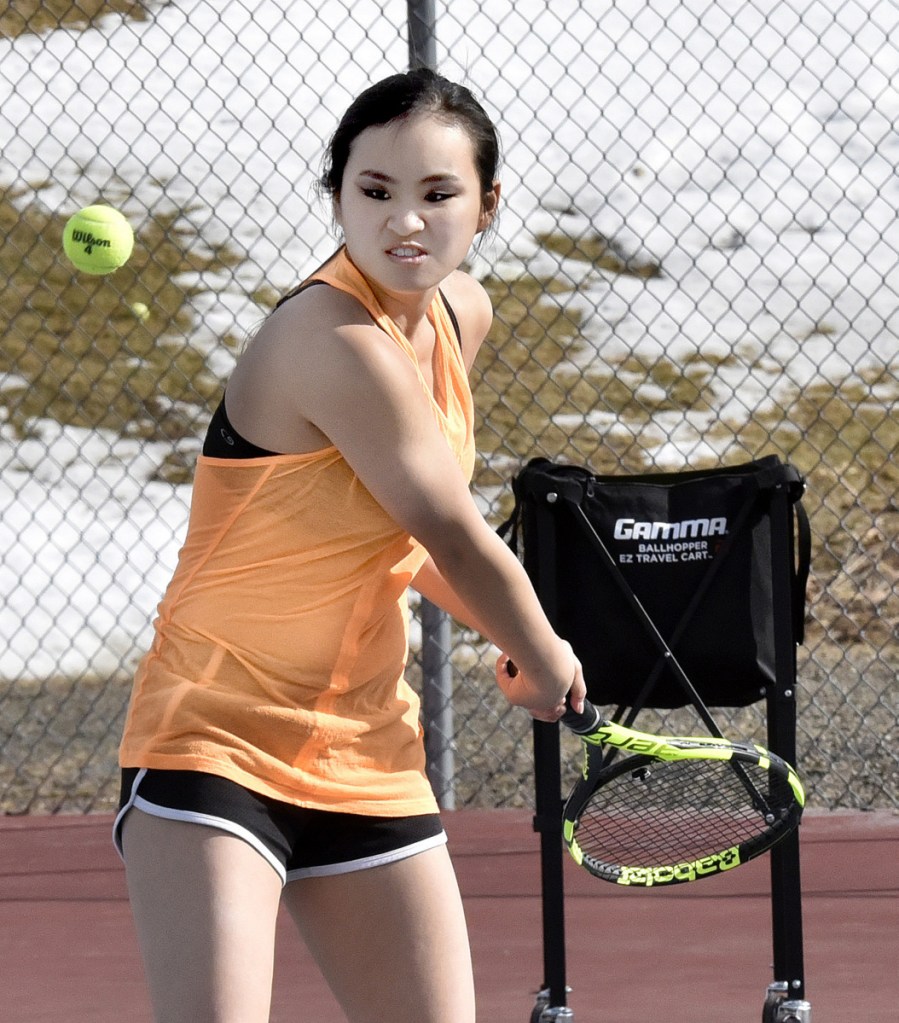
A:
483,584
431,584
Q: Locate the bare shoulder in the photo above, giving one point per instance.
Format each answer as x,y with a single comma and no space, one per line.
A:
311,330
316,307
473,309
319,347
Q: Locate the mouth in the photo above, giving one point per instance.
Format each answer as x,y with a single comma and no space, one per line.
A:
407,253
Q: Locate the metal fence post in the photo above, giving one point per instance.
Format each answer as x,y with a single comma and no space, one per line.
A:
422,33
437,703
437,684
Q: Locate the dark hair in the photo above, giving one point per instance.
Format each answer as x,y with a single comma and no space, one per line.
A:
417,91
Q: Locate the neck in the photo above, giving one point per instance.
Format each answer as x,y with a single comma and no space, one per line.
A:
408,311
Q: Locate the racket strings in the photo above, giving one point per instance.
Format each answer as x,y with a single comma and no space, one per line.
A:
672,812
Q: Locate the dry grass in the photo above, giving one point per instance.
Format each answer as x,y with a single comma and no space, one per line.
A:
35,17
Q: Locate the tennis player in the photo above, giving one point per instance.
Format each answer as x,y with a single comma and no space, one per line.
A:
272,749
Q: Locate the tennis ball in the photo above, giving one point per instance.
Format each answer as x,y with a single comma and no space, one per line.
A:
98,239
141,311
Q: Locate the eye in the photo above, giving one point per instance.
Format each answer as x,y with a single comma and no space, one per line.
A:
375,193
439,196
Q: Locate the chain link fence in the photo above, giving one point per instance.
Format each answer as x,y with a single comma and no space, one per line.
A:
697,263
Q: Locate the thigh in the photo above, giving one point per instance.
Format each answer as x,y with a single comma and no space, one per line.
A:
391,941
204,904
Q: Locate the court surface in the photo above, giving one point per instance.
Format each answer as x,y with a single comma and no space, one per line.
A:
695,954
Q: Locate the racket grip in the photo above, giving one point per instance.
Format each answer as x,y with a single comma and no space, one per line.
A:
581,724
584,723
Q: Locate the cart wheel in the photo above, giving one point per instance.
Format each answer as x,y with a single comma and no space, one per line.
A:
543,1012
799,1011
776,994
541,1003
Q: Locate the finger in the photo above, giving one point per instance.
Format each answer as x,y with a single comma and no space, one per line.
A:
578,692
576,697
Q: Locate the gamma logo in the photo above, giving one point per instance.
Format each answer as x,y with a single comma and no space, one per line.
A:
631,529
669,542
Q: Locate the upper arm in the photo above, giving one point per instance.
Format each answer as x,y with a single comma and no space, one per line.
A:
355,385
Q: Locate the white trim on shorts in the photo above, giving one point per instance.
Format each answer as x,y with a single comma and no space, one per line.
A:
365,862
137,802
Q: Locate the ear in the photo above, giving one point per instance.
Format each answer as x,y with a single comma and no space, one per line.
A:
489,207
336,211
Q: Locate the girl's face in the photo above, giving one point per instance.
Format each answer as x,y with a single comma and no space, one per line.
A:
410,202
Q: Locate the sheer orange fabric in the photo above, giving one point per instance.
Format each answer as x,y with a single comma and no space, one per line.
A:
281,641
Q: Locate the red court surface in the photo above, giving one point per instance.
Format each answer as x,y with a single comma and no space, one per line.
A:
697,953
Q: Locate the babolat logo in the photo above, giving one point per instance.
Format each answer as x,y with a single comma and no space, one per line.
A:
646,877
632,743
86,239
689,529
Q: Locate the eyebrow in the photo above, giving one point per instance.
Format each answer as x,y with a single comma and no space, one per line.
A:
430,179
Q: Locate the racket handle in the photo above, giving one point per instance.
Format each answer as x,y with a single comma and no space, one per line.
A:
584,723
581,724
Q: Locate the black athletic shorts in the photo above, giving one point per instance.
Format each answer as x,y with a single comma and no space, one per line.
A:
297,842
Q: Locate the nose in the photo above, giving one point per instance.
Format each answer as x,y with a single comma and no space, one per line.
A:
406,222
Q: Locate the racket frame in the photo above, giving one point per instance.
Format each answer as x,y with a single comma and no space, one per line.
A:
644,749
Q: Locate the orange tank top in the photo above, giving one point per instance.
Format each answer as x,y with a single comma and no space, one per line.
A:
281,641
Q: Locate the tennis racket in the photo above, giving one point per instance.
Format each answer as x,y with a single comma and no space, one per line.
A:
673,809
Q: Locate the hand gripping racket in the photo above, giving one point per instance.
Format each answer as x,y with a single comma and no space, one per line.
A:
673,809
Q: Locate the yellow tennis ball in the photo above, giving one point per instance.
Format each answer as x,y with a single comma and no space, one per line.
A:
141,311
98,239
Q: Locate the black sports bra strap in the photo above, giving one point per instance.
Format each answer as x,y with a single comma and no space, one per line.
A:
453,318
223,441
